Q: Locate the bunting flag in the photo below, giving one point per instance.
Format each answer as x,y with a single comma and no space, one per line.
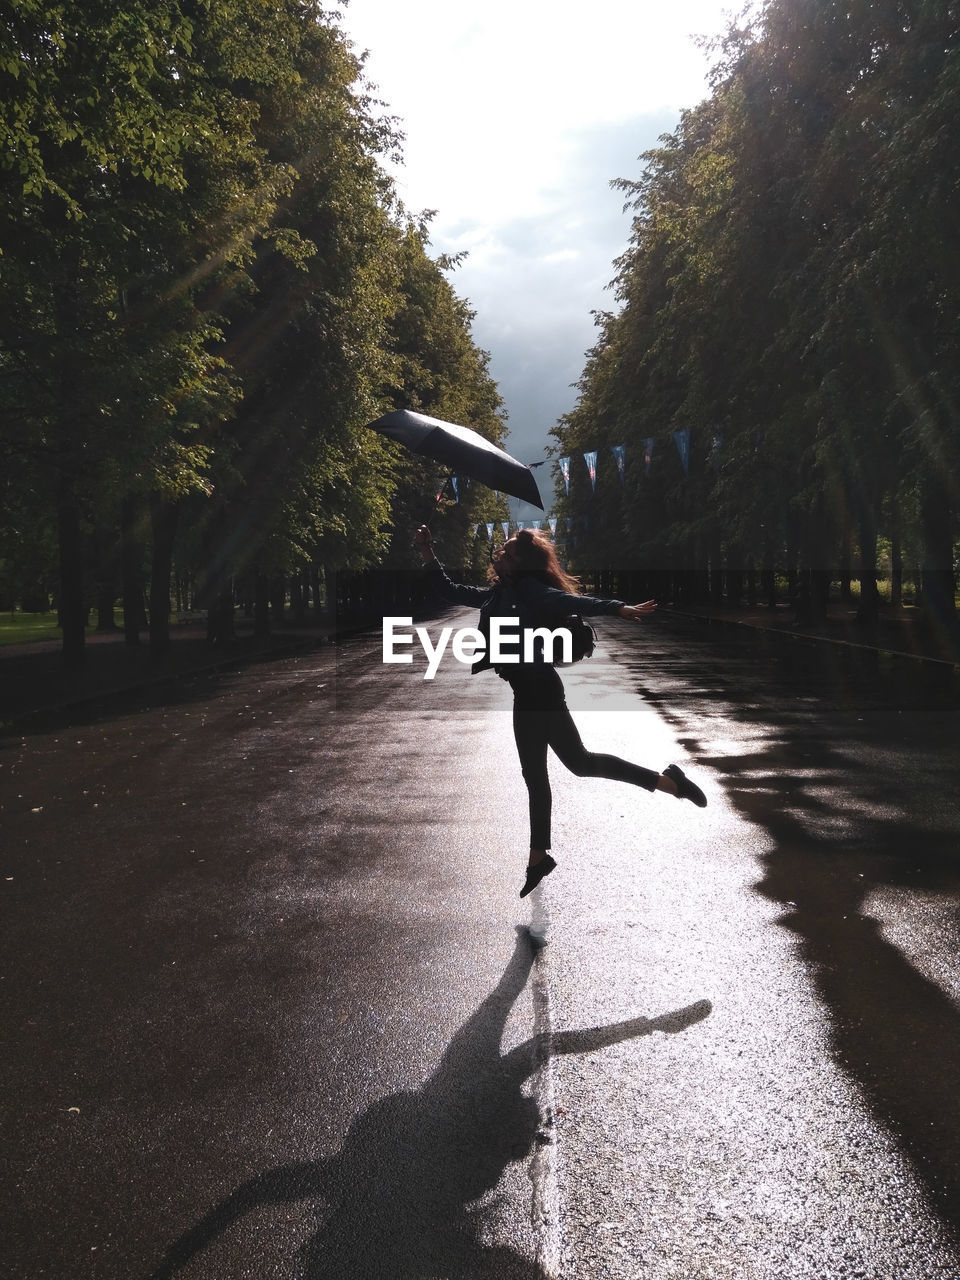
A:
490,530
552,522
682,440
453,486
620,453
565,472
505,526
591,460
647,454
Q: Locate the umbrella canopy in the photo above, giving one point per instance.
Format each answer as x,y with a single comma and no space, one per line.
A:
463,450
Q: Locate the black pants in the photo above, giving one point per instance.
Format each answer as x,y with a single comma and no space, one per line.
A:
541,719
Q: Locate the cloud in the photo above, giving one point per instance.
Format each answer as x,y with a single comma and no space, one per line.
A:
535,280
490,95
517,116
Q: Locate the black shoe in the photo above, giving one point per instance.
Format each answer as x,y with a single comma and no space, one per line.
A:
536,873
686,790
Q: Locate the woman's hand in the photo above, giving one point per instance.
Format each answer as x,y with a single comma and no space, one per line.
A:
423,541
637,612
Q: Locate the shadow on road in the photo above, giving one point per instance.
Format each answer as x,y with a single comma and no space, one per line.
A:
892,1028
397,1195
856,788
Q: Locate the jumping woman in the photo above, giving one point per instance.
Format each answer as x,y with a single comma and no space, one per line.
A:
527,583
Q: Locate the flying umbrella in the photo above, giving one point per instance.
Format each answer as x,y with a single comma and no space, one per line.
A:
463,450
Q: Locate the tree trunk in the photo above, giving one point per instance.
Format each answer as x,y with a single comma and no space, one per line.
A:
936,573
820,580
896,570
261,606
106,595
131,568
868,613
813,593
297,605
163,523
846,569
714,550
73,611
220,616
105,551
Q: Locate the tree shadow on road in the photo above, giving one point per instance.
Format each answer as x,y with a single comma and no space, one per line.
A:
397,1197
853,783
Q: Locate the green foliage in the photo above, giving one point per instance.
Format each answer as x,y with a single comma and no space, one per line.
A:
437,369
791,288
206,292
27,628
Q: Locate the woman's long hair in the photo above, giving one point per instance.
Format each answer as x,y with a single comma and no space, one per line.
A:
535,555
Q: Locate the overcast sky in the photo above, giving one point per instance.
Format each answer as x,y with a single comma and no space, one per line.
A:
517,115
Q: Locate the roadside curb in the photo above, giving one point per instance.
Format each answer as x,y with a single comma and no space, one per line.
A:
805,637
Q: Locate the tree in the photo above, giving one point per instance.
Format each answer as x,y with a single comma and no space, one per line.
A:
135,180
437,369
771,300
296,479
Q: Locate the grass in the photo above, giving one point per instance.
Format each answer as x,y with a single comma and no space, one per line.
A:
20,628
17,628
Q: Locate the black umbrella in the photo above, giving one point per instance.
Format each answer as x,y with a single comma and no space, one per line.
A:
463,450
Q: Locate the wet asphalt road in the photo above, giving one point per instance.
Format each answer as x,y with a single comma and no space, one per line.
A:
267,1013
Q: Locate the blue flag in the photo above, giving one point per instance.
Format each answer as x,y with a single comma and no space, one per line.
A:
620,453
590,459
682,440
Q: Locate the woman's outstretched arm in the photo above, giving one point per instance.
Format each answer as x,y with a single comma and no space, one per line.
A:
560,603
637,612
455,592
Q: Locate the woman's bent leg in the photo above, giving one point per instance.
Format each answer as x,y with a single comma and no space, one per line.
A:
564,737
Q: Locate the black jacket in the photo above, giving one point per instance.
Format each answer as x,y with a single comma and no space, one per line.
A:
536,605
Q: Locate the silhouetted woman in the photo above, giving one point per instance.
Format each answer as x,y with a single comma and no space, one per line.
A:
527,583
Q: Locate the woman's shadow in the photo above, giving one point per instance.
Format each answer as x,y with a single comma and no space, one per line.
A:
396,1197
